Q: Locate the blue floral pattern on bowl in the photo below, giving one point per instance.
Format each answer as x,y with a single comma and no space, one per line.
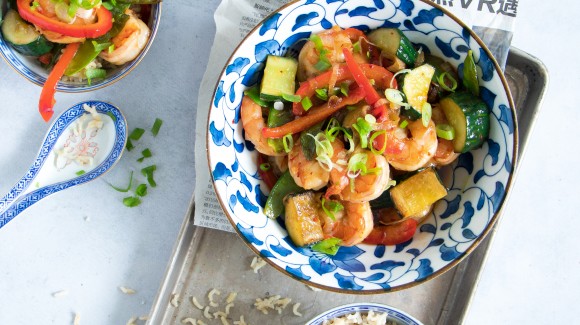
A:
478,181
393,314
29,68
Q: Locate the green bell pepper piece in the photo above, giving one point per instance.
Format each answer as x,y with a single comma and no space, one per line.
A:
470,74
275,203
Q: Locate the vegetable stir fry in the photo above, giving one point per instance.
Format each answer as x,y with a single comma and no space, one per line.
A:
351,135
78,39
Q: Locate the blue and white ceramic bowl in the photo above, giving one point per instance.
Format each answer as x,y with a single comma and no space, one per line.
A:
394,315
478,181
29,67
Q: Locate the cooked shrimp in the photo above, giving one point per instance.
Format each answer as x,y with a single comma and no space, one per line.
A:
352,224
417,150
445,153
48,9
363,187
253,122
129,42
313,174
333,40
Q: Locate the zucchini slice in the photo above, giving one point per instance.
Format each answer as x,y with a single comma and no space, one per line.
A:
301,219
23,37
279,78
394,43
415,195
469,116
416,86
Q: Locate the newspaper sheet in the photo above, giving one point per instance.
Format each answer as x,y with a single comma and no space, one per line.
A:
492,20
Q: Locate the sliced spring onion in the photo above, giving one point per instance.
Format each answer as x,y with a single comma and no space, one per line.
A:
344,87
317,42
254,94
323,64
101,46
306,103
372,139
322,93
265,167
136,134
331,207
35,5
148,172
156,126
445,131
426,114
141,190
396,97
356,48
328,246
291,98
356,164
80,172
288,142
363,127
124,190
111,48
443,83
404,124
145,154
131,201
129,145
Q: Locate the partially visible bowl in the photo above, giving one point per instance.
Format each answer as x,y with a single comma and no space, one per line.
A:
394,315
30,68
478,181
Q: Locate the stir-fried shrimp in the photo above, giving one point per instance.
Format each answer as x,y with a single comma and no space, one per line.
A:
333,40
48,8
314,174
352,224
363,186
253,122
129,42
445,153
417,149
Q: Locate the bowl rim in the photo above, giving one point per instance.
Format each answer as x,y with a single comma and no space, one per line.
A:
450,264
366,305
86,88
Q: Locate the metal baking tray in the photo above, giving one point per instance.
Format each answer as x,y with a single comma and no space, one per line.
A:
204,259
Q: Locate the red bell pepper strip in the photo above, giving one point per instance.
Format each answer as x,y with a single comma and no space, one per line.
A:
378,111
380,75
315,115
99,28
392,234
266,175
47,95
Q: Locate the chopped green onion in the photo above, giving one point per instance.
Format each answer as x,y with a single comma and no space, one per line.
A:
357,48
317,42
129,145
396,97
265,167
124,190
141,190
443,83
112,116
72,10
445,131
80,172
254,94
94,74
322,93
306,103
288,142
131,201
146,154
372,139
363,127
35,5
101,46
331,207
328,246
404,124
323,64
356,164
111,48
291,98
156,126
344,88
351,107
136,134
148,172
426,114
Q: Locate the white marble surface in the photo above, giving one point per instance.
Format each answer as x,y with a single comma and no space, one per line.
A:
85,241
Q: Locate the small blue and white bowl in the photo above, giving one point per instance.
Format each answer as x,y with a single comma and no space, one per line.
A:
395,315
30,68
478,181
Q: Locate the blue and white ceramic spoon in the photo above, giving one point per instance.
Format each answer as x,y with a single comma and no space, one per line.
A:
58,166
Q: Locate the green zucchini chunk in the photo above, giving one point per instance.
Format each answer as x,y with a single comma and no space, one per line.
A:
415,195
23,37
469,116
394,43
279,78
